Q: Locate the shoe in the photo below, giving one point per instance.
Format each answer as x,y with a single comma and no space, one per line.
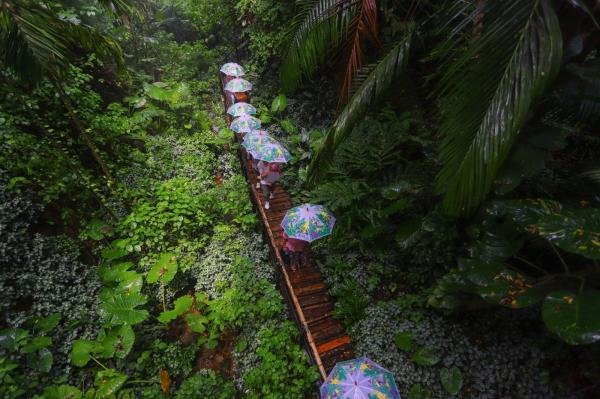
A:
267,205
258,185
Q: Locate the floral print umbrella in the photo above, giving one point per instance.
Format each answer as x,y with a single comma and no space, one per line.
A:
360,378
245,124
238,85
232,69
271,152
239,109
308,222
256,139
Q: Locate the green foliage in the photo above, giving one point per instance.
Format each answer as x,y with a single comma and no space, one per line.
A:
206,384
404,340
351,302
426,356
164,270
573,317
452,380
279,104
181,305
62,392
282,372
122,308
419,392
108,382
483,110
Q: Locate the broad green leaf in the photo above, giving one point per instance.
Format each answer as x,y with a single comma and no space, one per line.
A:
41,360
108,382
118,342
574,318
288,126
48,323
13,338
181,305
114,251
164,269
122,308
62,392
451,379
82,351
425,356
97,230
404,340
37,343
279,104
419,392
197,322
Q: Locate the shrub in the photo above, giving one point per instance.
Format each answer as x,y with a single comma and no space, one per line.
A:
206,384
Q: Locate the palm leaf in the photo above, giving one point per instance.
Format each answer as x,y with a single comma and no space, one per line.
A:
364,26
33,40
319,26
372,89
488,91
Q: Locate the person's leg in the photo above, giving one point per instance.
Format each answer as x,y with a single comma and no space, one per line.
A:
286,257
266,190
272,194
294,260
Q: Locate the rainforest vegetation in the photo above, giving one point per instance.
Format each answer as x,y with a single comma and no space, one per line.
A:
456,142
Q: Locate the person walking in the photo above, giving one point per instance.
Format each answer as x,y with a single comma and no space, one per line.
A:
269,174
293,251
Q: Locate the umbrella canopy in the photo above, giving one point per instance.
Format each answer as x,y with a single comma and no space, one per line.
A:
359,379
308,222
239,109
271,152
245,124
238,85
255,139
232,69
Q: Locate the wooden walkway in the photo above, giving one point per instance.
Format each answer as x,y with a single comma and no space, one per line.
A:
324,337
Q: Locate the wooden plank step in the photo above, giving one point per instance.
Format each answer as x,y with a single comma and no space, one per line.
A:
332,328
340,354
310,289
333,344
314,299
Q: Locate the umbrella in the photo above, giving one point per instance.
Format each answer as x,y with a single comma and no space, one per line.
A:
238,85
359,379
271,152
232,69
245,124
255,139
239,109
308,222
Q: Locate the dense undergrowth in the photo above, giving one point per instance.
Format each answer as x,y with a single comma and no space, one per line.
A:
159,284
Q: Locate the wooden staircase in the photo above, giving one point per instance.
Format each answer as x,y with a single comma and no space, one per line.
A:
312,308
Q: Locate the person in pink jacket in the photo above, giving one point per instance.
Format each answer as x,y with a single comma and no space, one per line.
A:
293,251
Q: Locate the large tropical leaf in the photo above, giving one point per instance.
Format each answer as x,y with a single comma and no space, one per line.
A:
372,89
34,40
573,317
319,27
488,91
123,308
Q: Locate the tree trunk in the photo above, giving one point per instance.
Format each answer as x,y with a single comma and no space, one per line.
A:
81,130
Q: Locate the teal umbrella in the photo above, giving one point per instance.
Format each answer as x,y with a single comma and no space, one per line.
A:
271,152
360,378
238,85
232,69
255,139
239,109
308,222
245,124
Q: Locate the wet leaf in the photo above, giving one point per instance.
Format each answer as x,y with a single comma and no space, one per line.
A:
451,379
574,318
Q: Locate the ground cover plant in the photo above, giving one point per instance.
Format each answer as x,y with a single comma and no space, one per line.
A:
140,273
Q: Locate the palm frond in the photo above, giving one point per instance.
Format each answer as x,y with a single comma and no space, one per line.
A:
323,26
34,40
364,27
118,8
371,90
488,91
